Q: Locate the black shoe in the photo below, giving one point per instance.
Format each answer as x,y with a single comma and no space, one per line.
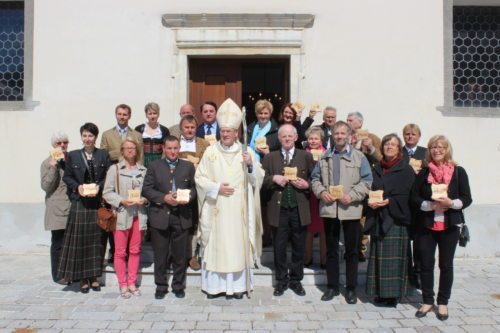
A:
442,316
280,290
392,302
84,286
361,257
322,266
179,293
309,263
160,294
211,296
64,282
95,285
329,295
235,296
350,297
297,288
421,314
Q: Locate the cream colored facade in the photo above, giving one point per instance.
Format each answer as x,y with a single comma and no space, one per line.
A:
385,59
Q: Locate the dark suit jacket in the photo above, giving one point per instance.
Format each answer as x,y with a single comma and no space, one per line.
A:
273,164
158,183
457,189
326,136
74,172
200,132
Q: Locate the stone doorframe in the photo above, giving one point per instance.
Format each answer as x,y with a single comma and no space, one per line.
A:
237,35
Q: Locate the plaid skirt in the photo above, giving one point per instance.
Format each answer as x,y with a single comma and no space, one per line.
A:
82,251
389,263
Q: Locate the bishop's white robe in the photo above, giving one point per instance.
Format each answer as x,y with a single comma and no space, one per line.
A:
230,229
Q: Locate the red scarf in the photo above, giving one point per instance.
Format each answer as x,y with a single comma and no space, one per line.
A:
440,173
387,165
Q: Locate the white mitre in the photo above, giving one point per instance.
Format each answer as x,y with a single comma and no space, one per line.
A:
229,115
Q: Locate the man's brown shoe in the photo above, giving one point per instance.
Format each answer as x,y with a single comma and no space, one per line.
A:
194,264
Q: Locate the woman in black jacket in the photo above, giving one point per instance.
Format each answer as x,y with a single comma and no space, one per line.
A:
438,220
388,222
264,126
84,242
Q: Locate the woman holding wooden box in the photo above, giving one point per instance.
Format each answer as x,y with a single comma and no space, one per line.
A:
84,242
122,190
438,221
388,220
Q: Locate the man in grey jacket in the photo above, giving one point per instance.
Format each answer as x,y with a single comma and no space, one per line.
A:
348,167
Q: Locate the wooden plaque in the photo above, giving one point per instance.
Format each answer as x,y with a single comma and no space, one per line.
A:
439,191
90,189
183,195
316,107
134,195
261,142
290,173
57,154
415,164
375,196
211,138
298,106
193,159
337,191
361,134
316,153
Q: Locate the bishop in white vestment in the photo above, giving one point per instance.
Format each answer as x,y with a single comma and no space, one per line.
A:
228,181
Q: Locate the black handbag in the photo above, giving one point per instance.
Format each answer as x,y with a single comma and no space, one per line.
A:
464,236
464,231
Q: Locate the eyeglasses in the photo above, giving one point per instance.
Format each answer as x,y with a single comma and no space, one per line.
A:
437,148
59,143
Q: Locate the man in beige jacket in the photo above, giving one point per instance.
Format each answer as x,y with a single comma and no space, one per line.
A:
112,139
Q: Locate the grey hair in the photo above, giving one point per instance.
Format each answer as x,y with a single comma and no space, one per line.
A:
56,136
341,123
328,107
357,115
281,129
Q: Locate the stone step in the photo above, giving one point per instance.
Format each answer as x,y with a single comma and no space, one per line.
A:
263,275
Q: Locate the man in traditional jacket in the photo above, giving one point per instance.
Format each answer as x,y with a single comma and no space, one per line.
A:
228,181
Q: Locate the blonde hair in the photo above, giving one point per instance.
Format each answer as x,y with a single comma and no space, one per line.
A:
448,155
316,130
153,107
412,127
262,104
136,144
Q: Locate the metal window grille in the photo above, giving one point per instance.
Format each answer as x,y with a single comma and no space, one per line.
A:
476,56
11,50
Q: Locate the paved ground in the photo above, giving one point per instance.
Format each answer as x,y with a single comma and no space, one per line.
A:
30,302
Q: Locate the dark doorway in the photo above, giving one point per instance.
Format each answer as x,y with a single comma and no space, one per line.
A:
245,80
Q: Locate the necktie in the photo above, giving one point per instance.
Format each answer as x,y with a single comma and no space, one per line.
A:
410,152
209,129
287,157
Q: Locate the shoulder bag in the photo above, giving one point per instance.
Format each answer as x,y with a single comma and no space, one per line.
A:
106,217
